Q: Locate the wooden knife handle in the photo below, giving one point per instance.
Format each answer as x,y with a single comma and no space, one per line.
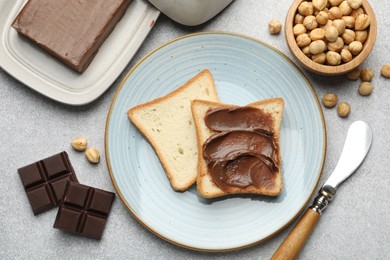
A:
295,241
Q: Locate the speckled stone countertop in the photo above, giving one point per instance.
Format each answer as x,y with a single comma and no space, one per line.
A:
355,226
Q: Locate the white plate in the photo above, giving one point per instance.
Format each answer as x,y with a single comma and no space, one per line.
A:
41,72
245,70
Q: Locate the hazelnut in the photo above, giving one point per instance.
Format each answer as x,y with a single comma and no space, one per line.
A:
319,4
385,71
335,13
333,58
346,55
331,33
93,155
355,47
366,75
365,88
335,2
319,58
310,22
345,8
306,8
354,4
361,36
354,74
322,18
355,13
317,34
348,36
79,143
362,22
299,29
317,47
274,26
349,21
330,100
306,51
343,109
340,26
336,46
303,40
298,19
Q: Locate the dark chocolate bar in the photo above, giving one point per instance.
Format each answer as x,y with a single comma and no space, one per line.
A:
45,181
84,210
72,31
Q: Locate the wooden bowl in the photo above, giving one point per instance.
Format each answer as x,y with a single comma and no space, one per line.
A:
328,69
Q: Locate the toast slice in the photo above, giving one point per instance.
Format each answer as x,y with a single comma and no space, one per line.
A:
167,124
205,184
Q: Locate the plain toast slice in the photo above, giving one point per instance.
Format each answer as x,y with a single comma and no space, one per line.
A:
167,124
205,184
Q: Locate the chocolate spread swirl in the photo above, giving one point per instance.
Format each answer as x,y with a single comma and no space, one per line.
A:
243,152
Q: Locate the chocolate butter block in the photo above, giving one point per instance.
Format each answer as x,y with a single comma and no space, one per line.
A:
70,30
84,210
45,181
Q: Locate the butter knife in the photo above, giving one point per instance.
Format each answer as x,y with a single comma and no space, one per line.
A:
356,147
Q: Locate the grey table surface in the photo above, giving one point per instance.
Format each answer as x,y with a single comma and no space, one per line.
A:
355,226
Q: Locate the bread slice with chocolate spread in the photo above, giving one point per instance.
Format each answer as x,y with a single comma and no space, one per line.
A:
167,124
217,184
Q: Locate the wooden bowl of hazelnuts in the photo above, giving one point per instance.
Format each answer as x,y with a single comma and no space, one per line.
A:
330,37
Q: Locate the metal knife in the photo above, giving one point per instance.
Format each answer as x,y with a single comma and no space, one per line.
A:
356,147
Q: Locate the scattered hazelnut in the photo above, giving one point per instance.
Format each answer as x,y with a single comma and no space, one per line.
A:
354,74
385,71
92,155
365,88
274,26
335,2
306,8
330,100
361,36
346,55
345,8
303,40
348,36
366,75
355,47
319,58
349,22
319,4
331,34
354,4
343,109
322,18
310,22
79,144
335,13
333,58
317,47
299,29
362,22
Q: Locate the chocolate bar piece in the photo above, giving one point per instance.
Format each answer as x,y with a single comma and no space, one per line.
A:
70,30
45,181
84,210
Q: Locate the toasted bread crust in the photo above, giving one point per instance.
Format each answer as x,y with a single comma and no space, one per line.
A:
177,183
206,187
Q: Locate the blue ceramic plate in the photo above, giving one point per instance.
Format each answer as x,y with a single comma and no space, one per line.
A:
245,70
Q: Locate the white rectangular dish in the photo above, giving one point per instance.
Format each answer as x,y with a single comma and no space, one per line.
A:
41,72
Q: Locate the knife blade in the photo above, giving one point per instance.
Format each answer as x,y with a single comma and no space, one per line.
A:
356,147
